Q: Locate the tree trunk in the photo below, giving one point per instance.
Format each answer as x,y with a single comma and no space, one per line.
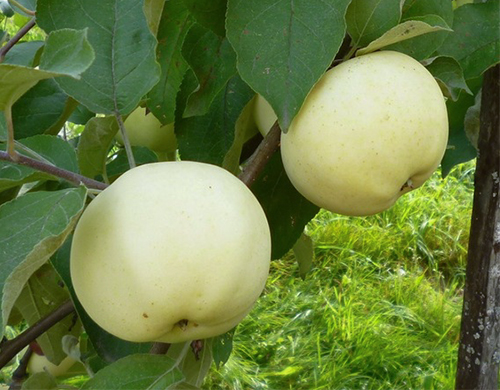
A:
479,350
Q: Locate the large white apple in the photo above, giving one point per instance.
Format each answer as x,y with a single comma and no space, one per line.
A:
372,129
143,129
170,252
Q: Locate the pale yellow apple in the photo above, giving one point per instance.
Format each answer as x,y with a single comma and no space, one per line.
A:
143,129
170,252
264,115
40,363
372,129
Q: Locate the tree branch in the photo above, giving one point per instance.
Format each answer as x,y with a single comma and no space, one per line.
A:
261,156
12,347
21,33
69,176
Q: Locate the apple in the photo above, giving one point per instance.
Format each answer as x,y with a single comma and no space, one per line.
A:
170,252
264,115
372,129
143,129
40,363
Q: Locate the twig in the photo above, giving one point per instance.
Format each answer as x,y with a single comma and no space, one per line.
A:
126,142
21,33
69,176
12,347
20,373
261,156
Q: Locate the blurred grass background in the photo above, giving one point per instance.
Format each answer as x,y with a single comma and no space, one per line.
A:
380,309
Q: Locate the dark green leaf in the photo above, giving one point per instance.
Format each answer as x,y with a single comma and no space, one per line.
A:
81,115
109,347
23,53
28,4
38,109
153,10
287,211
44,292
284,47
120,163
67,51
174,25
208,138
367,20
32,228
125,68
94,145
210,14
304,254
459,148
213,61
406,31
6,9
449,74
475,42
222,346
140,371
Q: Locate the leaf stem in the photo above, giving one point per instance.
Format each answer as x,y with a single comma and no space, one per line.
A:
350,53
22,7
261,156
69,176
126,142
21,33
12,347
11,145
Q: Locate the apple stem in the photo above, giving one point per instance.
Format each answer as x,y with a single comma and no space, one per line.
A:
126,142
261,156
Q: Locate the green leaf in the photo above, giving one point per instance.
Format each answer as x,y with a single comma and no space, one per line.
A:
141,371
6,9
222,346
108,347
449,75
81,115
120,164
194,367
125,68
304,254
32,227
424,46
404,31
208,138
23,53
174,25
367,20
459,148
94,145
28,4
213,61
472,123
287,211
67,51
38,109
153,10
284,47
475,42
42,294
210,14
40,381
17,80
52,149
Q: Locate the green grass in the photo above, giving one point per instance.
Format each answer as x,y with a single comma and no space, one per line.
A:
380,309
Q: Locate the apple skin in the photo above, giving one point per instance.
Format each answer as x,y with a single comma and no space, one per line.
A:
264,115
145,130
170,252
372,129
39,363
